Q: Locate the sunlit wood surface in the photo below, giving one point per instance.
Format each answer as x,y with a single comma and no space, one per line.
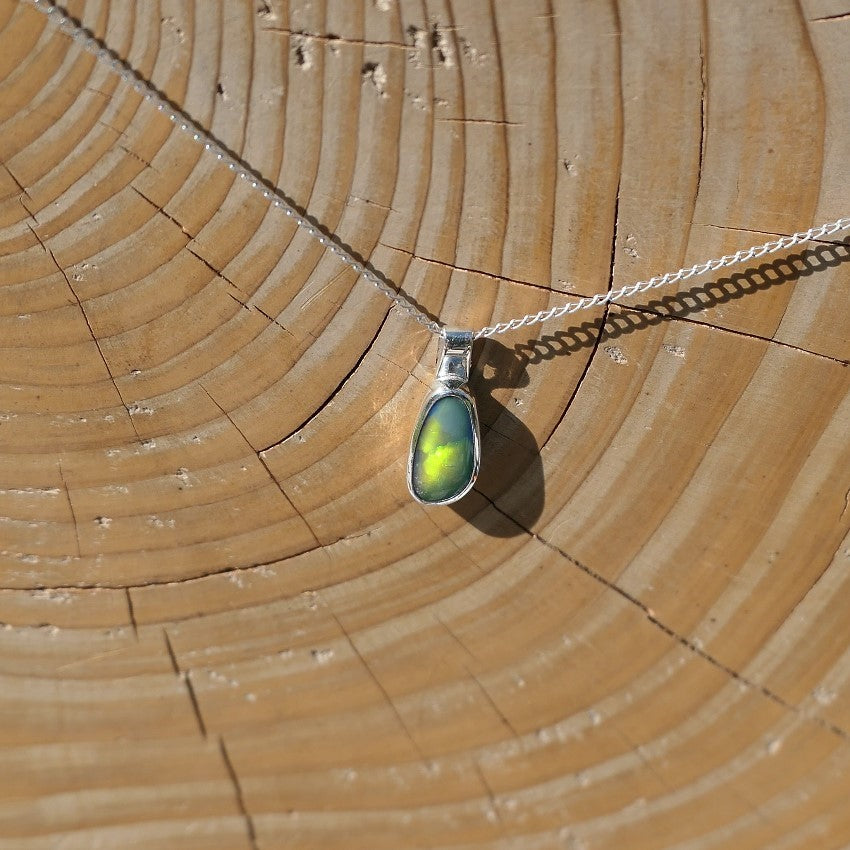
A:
225,622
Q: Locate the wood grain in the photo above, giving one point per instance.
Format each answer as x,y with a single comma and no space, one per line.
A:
225,624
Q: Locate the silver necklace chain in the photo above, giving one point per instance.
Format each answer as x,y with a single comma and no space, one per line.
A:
276,198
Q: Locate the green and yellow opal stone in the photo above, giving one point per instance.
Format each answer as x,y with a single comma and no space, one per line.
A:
443,462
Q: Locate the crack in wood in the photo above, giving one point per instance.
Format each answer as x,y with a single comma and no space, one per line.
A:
190,236
615,230
682,640
451,633
240,798
169,582
503,719
335,392
171,655
841,242
193,697
402,369
138,158
703,75
259,455
323,289
551,47
602,322
185,676
371,203
21,189
491,797
89,326
332,40
467,270
248,304
120,133
740,333
841,16
464,555
389,700
220,274
70,508
486,121
645,760
239,301
501,111
106,96
131,612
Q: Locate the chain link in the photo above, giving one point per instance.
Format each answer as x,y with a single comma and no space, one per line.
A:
276,198
742,256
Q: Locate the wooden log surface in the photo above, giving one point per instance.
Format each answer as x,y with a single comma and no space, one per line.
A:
225,622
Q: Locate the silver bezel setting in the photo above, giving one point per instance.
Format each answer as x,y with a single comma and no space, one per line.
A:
441,391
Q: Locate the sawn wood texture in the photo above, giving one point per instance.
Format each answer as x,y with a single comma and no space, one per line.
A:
226,624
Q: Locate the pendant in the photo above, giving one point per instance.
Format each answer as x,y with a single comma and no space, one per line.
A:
445,452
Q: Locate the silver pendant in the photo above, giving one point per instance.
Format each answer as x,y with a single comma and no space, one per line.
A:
445,452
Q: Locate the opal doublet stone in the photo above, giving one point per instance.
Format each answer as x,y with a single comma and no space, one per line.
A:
444,450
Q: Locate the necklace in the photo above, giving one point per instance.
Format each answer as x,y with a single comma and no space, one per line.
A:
445,450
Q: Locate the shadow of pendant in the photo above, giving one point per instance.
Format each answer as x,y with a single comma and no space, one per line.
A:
509,494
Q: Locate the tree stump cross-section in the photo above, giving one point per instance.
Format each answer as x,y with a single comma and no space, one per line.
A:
224,623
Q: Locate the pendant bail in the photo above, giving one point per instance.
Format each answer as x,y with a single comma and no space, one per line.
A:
455,357
445,451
